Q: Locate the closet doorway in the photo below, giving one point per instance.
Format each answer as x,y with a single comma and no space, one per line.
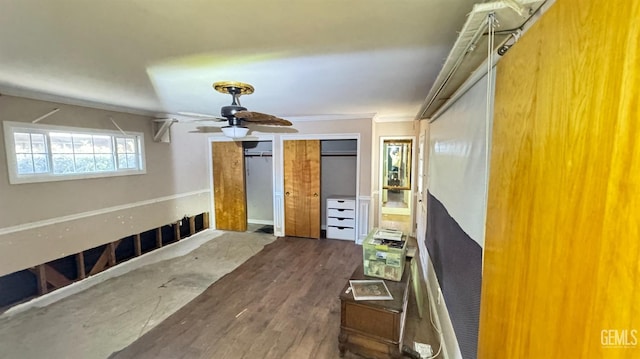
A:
313,171
242,185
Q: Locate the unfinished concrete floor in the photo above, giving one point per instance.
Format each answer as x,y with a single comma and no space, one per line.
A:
107,317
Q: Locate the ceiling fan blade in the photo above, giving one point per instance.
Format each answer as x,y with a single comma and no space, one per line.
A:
201,117
207,129
270,129
262,118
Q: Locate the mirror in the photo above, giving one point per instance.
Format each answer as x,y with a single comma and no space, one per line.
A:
397,164
395,184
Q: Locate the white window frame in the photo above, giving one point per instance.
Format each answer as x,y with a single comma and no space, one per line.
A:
11,127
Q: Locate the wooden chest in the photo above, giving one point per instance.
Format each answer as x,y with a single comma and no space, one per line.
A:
374,328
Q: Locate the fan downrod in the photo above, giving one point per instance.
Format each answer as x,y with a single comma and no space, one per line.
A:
235,89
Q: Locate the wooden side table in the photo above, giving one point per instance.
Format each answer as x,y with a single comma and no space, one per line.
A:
374,328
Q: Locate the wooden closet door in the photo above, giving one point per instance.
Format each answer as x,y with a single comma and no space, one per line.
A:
302,188
229,191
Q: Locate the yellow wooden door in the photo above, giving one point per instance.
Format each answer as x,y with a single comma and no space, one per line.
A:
229,194
302,188
562,251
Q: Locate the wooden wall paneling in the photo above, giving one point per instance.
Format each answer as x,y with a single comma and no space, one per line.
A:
302,188
562,253
229,186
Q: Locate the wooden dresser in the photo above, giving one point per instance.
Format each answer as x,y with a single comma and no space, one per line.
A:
374,329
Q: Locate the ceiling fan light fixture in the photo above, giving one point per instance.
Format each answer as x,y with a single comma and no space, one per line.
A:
235,131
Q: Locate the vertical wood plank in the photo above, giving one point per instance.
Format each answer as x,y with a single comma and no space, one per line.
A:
562,247
80,266
205,220
42,279
111,253
136,245
229,186
159,237
176,230
302,188
192,226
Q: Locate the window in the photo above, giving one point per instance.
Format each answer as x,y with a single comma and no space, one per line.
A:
39,153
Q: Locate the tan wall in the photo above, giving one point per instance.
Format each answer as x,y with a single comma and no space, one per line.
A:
44,221
562,250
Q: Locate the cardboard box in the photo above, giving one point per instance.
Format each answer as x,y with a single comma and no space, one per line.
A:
383,258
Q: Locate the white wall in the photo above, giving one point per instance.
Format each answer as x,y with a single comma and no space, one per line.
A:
259,185
337,177
458,165
459,141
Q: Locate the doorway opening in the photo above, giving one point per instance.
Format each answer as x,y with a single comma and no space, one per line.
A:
258,160
396,184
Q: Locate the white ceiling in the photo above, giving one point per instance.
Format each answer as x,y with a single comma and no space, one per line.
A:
305,58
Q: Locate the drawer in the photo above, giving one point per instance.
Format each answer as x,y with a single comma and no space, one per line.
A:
341,233
341,213
341,222
341,203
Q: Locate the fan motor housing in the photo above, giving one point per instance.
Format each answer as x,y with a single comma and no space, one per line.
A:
230,111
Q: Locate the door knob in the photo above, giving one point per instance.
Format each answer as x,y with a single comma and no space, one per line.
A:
286,193
315,194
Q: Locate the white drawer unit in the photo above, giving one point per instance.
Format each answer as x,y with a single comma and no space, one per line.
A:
341,218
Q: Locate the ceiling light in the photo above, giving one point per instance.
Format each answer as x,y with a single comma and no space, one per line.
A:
235,131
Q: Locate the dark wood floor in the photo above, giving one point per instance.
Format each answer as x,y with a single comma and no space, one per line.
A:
281,303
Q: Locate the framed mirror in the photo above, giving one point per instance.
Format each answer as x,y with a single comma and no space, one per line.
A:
396,164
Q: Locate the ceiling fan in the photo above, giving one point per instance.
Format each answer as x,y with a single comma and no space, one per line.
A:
239,119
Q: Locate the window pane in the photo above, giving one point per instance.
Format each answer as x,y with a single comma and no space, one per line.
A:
82,144
132,161
38,143
104,163
102,144
122,161
40,163
131,145
84,163
63,163
47,151
120,146
22,141
25,164
61,142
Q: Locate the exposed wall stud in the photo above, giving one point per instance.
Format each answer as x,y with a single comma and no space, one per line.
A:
80,266
136,244
159,237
